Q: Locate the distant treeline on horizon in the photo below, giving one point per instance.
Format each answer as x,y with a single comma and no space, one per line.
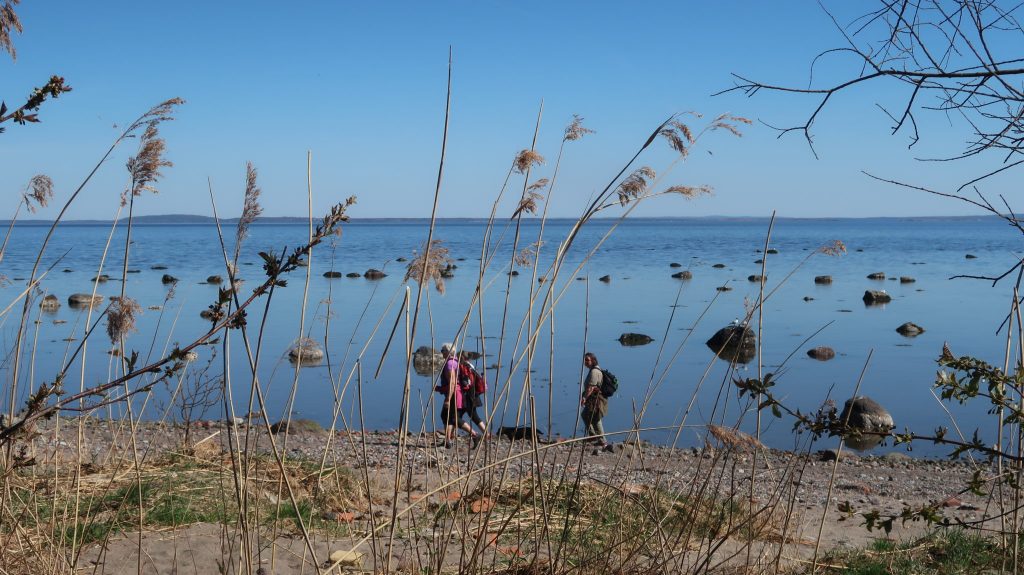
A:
174,219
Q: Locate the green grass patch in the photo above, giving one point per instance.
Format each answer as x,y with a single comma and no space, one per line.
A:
951,552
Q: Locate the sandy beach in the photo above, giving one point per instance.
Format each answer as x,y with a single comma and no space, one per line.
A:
792,487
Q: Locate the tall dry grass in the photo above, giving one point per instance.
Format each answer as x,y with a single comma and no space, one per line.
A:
527,506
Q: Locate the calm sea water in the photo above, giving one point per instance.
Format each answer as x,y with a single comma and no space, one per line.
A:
355,316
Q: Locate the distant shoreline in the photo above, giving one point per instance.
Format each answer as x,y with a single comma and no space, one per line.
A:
185,219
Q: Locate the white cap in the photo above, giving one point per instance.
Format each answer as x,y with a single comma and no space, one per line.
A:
447,348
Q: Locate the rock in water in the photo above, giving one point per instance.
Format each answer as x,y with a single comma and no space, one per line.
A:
876,276
633,339
427,360
757,278
168,279
910,329
822,280
734,343
874,297
332,274
865,415
907,280
604,279
305,352
821,353
353,275
683,275
372,274
50,303
79,300
718,266
214,280
675,265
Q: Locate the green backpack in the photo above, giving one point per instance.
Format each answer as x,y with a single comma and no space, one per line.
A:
609,383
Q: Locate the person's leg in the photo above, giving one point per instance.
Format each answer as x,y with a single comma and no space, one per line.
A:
590,428
599,432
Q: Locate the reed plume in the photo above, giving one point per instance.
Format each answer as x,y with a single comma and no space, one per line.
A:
429,264
836,248
121,318
690,192
9,22
679,136
530,199
39,190
527,255
526,159
251,208
145,167
575,130
728,123
635,185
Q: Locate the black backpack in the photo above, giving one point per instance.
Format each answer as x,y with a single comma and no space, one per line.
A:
609,383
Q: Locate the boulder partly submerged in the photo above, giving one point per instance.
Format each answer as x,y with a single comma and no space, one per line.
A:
910,329
80,300
427,361
50,303
821,353
734,343
306,352
875,297
634,339
868,421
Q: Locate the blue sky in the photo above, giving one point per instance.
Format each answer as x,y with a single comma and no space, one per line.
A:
362,86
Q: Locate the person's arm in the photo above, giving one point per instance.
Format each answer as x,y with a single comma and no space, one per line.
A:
591,385
453,379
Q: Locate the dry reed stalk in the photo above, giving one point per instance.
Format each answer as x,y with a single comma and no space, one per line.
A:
835,466
298,363
415,315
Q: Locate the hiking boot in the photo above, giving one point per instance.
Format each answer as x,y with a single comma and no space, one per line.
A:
475,441
448,444
608,447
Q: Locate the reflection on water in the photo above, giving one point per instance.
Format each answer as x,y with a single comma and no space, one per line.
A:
353,318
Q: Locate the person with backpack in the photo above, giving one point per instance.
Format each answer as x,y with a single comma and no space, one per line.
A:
595,400
452,406
473,386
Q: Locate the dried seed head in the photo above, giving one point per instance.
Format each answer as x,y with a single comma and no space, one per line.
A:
690,192
251,208
528,255
575,130
531,198
145,166
9,22
39,190
679,136
428,265
121,318
728,123
634,185
526,159
836,248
